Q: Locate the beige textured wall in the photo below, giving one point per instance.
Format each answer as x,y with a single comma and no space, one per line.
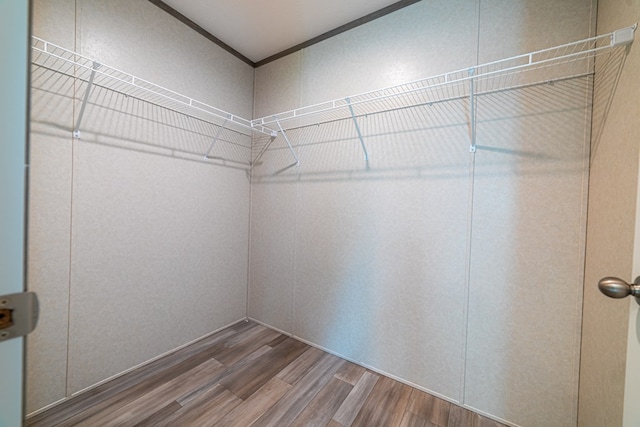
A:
348,240
376,265
610,236
134,250
49,226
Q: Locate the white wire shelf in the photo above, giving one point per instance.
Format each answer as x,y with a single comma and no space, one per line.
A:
406,107
50,56
209,126
547,65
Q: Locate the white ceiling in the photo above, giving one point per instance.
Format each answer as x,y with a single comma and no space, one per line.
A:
261,28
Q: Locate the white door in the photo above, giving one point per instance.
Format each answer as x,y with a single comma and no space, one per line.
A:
631,417
632,378
14,47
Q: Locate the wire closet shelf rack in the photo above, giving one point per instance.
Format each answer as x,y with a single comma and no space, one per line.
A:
566,61
546,66
175,123
54,57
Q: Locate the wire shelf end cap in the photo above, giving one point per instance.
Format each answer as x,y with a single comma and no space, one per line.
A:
623,36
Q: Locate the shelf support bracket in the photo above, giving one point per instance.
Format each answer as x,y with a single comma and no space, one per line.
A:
215,139
355,122
273,136
472,111
286,138
76,130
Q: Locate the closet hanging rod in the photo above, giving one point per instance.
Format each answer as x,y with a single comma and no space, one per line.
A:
128,84
557,55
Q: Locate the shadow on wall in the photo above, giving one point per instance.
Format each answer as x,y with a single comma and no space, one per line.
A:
608,69
399,142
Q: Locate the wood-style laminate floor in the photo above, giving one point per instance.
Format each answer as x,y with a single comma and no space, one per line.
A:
250,375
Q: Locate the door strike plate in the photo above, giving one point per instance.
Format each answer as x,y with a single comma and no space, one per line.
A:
18,314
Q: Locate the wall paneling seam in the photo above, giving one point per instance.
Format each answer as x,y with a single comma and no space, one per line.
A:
76,48
472,164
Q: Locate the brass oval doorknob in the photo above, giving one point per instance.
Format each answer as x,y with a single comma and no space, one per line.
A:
615,287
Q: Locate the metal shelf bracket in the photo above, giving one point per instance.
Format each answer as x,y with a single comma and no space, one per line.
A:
472,111
76,130
273,136
215,139
293,153
355,122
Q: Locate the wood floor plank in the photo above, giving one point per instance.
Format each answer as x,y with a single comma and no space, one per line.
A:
78,414
250,329
480,421
247,381
211,413
440,412
324,405
278,340
242,349
256,405
119,388
461,417
208,410
203,398
412,420
231,370
294,402
350,373
221,349
430,408
155,399
385,405
354,401
154,420
299,367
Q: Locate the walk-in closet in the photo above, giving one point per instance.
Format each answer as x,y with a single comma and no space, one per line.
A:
431,197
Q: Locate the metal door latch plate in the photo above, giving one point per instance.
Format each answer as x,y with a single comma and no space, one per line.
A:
18,314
